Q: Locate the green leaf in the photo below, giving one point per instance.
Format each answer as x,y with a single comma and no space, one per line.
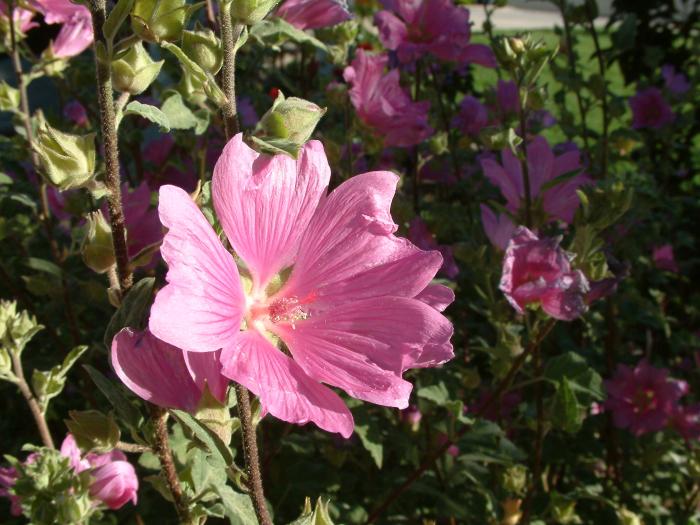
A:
148,112
566,412
49,384
319,515
276,31
133,311
208,81
116,18
582,379
178,114
370,439
209,439
438,394
273,146
237,507
42,265
126,411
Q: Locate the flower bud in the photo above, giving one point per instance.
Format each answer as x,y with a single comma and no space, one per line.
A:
16,328
249,12
97,248
114,482
292,119
204,48
135,70
158,20
627,517
68,161
9,97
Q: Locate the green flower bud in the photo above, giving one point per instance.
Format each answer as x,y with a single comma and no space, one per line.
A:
191,88
9,97
563,509
93,430
627,517
439,144
16,328
249,12
72,508
135,70
514,479
97,248
292,119
158,20
68,161
204,48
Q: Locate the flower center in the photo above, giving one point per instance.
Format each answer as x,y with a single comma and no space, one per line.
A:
278,310
644,400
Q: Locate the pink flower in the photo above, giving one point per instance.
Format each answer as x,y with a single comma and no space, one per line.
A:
686,421
314,14
76,34
499,228
472,117
664,259
164,375
676,83
643,398
422,237
412,415
650,109
414,28
69,448
538,271
559,201
76,112
158,150
8,477
21,17
114,480
382,103
507,98
323,274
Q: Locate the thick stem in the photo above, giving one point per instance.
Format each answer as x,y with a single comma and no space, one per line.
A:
250,454
161,447
229,38
39,419
524,167
110,144
498,392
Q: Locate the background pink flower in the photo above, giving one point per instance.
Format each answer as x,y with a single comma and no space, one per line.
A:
314,14
650,109
664,259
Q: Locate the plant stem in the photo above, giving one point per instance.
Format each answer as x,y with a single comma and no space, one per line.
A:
39,419
132,448
539,442
495,397
250,454
229,38
161,447
524,166
602,68
105,99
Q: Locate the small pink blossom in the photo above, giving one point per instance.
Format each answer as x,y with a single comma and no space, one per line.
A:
114,480
664,259
164,375
414,28
76,34
21,17
76,112
324,273
643,398
382,104
422,237
8,477
538,271
314,14
473,116
650,109
675,82
412,416
560,201
499,228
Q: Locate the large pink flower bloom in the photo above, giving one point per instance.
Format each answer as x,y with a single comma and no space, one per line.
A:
383,104
322,274
650,109
538,271
413,28
164,375
560,201
314,14
643,398
76,34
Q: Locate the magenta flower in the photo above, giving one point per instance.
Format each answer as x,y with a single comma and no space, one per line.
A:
675,82
324,274
76,112
314,14
686,421
538,271
507,99
421,236
643,398
382,104
22,18
650,109
76,34
412,416
414,28
8,477
559,201
664,259
499,228
472,117
114,480
164,375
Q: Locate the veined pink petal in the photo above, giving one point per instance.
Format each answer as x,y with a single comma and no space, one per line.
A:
201,308
154,370
314,14
75,36
540,160
503,180
205,368
284,389
438,296
392,30
265,203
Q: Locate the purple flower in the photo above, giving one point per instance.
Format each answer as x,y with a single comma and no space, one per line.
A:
650,109
472,117
538,271
247,113
664,259
686,421
314,14
414,28
676,83
642,399
76,112
499,228
8,477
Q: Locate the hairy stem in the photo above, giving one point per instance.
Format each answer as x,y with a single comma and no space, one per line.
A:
251,456
110,144
161,447
23,386
132,448
523,162
229,38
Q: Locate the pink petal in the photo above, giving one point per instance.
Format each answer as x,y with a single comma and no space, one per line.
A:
264,203
201,308
205,368
504,180
154,370
478,54
284,389
540,160
438,296
392,31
